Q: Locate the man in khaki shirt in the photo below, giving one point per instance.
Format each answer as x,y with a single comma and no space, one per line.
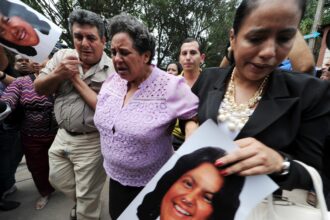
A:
75,76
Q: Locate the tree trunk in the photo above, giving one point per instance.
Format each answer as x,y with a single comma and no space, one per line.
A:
317,22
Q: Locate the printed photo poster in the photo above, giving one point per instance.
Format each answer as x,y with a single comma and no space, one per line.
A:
189,186
25,31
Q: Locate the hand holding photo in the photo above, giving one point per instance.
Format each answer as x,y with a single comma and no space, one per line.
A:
191,185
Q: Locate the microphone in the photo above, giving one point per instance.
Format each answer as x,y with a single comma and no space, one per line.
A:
3,106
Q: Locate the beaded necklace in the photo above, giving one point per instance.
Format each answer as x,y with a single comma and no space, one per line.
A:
236,115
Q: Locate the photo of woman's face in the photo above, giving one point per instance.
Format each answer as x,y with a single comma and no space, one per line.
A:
190,197
17,31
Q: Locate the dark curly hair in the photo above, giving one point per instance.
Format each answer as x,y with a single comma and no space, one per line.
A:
143,41
225,202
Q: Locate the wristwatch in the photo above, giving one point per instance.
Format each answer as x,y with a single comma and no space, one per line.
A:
285,167
3,76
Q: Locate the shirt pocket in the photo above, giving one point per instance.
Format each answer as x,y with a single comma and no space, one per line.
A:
65,88
96,81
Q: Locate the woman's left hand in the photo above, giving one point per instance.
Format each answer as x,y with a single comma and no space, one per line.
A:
252,158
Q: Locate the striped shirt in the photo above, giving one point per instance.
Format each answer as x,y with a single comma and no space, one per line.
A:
37,119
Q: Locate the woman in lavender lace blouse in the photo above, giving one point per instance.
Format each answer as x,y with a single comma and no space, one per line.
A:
136,111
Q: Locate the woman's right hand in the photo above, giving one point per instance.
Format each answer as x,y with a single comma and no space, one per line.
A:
252,158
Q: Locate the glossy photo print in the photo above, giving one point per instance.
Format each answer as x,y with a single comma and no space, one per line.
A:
190,186
25,31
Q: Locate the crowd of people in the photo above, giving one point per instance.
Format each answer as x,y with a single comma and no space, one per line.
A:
82,116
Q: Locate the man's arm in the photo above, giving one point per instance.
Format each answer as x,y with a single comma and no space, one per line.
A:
301,57
88,95
48,84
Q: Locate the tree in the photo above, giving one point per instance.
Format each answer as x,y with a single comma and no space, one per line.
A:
171,21
219,34
175,20
308,20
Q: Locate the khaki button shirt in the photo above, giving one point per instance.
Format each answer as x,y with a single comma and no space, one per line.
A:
71,111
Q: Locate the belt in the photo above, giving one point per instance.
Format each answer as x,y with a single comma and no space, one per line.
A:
72,133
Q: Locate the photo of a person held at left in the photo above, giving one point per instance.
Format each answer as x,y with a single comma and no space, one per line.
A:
19,26
18,31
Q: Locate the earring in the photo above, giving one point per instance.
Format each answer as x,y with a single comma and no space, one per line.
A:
230,52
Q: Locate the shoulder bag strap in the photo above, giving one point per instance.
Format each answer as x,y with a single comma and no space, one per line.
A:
318,186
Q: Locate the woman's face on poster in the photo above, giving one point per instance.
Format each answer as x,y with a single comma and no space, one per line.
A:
190,197
17,31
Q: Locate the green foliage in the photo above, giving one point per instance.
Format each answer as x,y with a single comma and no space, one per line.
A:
171,21
219,34
307,21
326,13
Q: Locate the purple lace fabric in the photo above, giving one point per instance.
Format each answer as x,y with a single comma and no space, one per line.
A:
136,138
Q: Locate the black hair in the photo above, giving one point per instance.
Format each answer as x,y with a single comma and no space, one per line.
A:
27,50
143,41
244,9
83,17
247,6
179,66
190,39
225,202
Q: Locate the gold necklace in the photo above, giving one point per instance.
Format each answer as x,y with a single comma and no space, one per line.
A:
236,115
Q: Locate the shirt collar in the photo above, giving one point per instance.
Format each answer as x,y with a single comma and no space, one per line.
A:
105,62
182,73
